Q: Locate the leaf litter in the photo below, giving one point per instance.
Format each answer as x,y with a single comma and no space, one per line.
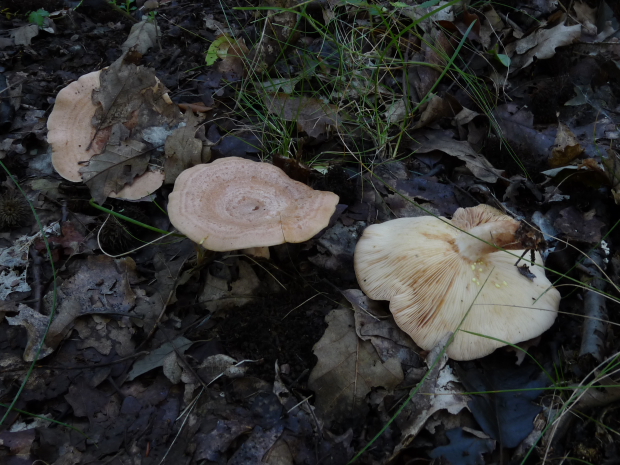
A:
173,355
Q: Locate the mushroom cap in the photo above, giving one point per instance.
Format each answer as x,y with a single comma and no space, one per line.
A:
69,128
143,185
417,264
233,203
70,132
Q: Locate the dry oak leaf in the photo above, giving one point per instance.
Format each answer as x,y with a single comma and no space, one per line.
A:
541,44
347,369
115,168
566,149
36,325
130,93
143,35
311,114
475,162
183,150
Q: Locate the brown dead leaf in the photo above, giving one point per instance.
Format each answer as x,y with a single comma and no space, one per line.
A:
143,35
566,149
35,325
233,53
437,392
541,44
101,285
436,109
116,167
183,150
219,295
480,167
126,89
347,369
491,27
387,338
311,114
587,17
581,227
611,162
23,35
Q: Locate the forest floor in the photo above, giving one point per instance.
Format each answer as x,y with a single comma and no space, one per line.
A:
126,344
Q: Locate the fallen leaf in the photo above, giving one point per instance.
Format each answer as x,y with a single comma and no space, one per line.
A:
427,141
396,112
101,285
465,450
23,35
219,295
12,281
439,391
233,53
347,369
116,167
587,17
256,446
577,226
216,366
183,150
611,162
386,337
541,44
212,445
36,325
436,109
158,357
566,149
311,114
505,416
143,35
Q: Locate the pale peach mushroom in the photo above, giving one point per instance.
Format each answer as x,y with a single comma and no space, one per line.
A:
142,186
75,140
233,203
433,271
69,128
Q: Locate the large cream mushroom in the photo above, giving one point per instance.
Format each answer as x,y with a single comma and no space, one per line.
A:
433,271
75,140
233,203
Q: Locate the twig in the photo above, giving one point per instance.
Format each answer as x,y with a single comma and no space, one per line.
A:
595,309
37,261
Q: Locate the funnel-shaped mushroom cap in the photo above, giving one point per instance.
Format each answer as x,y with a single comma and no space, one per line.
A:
69,128
75,140
432,274
233,203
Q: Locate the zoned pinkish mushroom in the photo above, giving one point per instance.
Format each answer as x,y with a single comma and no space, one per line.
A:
233,203
434,271
74,140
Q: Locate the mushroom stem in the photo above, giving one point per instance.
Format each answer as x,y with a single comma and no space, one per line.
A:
487,238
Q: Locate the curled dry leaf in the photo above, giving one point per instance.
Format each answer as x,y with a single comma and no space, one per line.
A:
311,114
347,369
183,150
439,391
480,167
143,35
116,167
566,149
36,325
101,285
541,44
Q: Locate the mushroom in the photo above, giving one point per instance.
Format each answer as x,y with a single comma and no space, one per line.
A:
75,140
437,273
69,128
233,203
